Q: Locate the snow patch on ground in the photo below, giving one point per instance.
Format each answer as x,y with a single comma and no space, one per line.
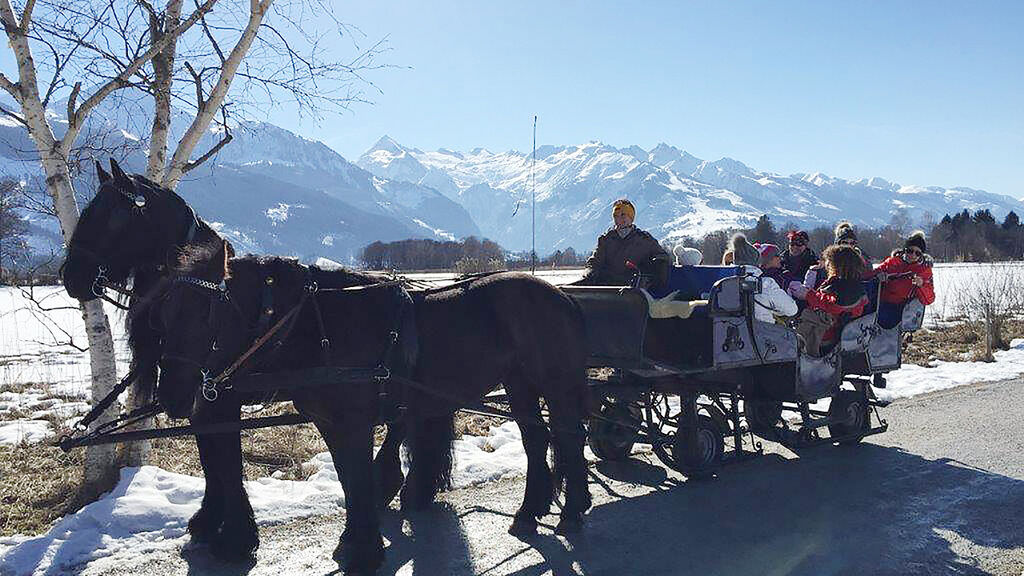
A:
150,507
911,379
15,432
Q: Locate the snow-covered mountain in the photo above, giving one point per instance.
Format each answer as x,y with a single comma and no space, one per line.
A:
676,193
269,190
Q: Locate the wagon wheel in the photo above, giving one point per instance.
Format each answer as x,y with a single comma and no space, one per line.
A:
762,415
697,452
849,409
614,439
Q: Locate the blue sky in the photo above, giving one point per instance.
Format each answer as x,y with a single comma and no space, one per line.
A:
916,92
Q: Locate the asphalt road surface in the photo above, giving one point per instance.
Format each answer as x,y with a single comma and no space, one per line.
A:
942,492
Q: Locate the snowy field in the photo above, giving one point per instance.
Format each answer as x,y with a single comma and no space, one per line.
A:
43,383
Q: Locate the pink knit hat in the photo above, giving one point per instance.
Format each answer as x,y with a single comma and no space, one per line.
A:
767,250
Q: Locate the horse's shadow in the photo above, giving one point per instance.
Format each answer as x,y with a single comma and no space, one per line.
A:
435,544
866,510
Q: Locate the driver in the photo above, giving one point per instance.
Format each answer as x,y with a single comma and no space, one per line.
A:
621,249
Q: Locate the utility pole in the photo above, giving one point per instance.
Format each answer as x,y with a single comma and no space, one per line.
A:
533,183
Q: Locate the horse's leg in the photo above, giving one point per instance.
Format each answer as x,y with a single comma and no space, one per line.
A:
207,520
238,537
388,464
430,460
350,440
566,422
205,523
525,406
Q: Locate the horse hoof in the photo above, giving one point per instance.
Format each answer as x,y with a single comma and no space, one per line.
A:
236,546
353,562
523,526
202,528
569,525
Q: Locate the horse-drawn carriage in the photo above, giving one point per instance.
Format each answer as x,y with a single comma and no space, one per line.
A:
695,381
347,348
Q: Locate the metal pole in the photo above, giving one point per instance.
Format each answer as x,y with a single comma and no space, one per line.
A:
533,182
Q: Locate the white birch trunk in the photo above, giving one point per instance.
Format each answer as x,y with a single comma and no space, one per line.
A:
207,109
137,453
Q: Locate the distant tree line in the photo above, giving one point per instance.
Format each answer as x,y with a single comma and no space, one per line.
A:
468,255
963,237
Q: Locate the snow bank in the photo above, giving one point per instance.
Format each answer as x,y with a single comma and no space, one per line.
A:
912,379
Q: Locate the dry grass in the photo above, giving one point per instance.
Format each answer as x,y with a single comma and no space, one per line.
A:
955,343
40,483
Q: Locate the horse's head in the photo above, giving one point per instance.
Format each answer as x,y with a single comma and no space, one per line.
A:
203,325
131,222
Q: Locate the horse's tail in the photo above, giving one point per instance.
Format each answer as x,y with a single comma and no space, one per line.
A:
431,455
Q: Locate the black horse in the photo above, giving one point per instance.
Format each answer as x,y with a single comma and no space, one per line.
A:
507,328
211,313
132,228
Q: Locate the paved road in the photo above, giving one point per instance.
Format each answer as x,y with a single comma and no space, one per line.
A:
941,493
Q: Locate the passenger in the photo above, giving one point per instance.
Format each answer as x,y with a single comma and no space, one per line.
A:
772,301
771,262
841,297
621,249
727,258
798,258
905,275
845,235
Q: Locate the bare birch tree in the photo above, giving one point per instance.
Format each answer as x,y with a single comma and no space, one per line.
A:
54,152
136,48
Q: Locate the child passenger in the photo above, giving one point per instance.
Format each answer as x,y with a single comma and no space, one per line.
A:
841,296
905,275
772,301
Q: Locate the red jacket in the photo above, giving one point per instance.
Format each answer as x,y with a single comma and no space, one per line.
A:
900,289
837,297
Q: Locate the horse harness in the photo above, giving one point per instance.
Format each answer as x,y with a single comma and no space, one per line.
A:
277,332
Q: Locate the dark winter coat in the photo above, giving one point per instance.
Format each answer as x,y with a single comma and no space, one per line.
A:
607,267
795,267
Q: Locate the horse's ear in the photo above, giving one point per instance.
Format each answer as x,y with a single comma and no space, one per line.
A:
103,175
218,267
228,251
119,175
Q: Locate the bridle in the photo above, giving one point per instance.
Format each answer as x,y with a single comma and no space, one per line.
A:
101,283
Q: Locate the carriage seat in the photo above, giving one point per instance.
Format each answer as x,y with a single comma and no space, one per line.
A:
693,282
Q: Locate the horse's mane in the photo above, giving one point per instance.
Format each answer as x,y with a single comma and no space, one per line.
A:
197,257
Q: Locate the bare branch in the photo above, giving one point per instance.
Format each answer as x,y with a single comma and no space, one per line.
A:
121,80
17,117
149,8
26,15
72,99
198,79
210,153
9,86
213,41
